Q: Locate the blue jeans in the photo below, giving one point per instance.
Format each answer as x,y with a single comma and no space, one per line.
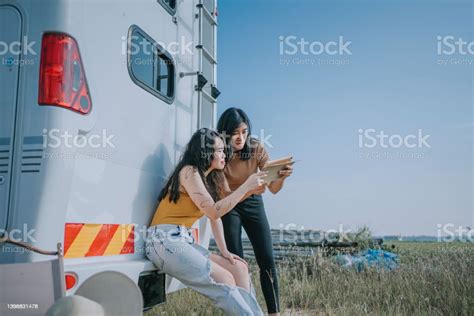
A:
173,251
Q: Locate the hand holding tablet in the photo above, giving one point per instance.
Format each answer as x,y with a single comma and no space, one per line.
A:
274,167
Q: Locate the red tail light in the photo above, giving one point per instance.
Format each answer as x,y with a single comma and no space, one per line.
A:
62,78
71,280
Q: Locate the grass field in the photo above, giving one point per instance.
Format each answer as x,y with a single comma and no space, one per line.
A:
433,279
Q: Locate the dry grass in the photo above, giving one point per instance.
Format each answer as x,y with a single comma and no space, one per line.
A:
433,279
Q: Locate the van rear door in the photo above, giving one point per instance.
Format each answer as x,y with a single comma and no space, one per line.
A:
10,56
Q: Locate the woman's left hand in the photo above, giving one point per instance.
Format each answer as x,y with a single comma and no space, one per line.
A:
286,172
232,257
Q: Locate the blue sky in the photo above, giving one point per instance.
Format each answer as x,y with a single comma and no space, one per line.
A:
392,82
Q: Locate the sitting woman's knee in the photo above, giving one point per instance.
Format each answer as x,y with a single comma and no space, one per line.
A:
224,276
229,278
241,267
239,270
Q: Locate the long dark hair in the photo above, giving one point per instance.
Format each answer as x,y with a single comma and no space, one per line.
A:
228,122
199,153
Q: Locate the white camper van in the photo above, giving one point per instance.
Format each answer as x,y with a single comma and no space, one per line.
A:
98,99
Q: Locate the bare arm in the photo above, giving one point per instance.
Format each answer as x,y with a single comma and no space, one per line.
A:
276,185
218,232
259,190
192,182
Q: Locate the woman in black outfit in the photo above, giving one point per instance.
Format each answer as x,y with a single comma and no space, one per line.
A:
243,157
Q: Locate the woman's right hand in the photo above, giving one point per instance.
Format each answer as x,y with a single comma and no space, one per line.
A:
256,180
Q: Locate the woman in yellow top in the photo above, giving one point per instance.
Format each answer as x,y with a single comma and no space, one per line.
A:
196,188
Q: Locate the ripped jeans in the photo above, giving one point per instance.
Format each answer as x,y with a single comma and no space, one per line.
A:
173,251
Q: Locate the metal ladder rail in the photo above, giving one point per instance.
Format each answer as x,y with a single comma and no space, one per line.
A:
205,16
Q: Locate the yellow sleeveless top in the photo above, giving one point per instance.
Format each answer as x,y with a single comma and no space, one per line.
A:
183,212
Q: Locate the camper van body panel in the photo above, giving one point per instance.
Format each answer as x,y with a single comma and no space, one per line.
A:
49,184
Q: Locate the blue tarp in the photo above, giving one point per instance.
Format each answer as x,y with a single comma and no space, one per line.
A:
381,259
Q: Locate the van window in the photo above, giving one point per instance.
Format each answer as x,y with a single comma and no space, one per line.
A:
150,66
169,5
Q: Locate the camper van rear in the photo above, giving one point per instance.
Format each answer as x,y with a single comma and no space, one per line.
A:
98,102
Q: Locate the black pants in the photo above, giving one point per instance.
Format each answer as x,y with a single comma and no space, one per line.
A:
251,215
